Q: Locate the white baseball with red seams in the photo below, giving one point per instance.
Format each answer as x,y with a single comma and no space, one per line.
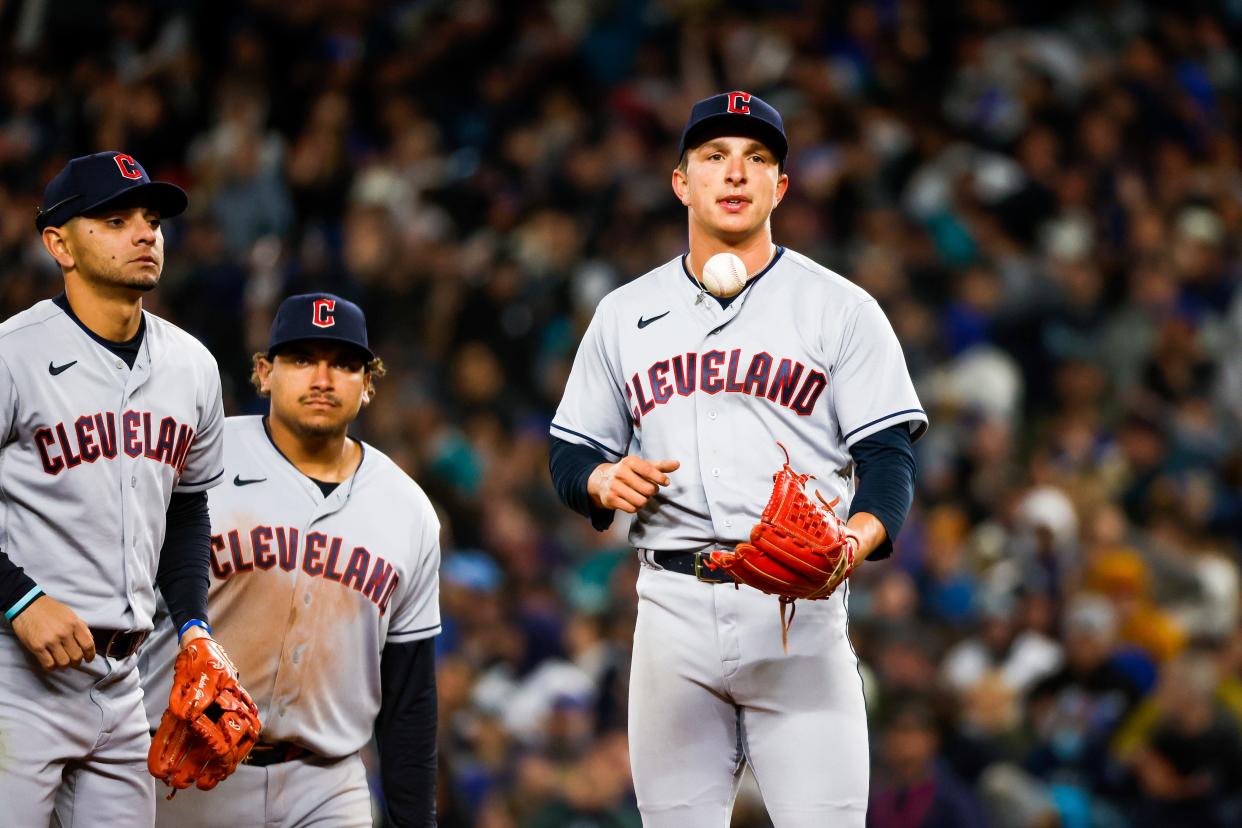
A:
724,274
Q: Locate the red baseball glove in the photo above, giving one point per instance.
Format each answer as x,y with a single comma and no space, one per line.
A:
211,722
798,549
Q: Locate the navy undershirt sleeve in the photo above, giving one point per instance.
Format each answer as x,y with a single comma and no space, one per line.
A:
15,585
185,558
571,465
405,732
886,469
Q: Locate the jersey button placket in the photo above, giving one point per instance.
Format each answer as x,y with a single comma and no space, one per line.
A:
707,420
292,659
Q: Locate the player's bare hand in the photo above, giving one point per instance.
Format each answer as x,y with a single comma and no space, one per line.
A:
54,634
629,483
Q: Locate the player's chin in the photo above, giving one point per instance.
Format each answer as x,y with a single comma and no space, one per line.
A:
736,228
143,279
741,221
322,422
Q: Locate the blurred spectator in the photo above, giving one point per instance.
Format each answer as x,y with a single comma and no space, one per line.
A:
1045,198
1122,576
946,587
1016,657
921,792
1075,712
1185,750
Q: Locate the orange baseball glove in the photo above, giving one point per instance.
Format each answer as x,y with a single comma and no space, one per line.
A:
211,722
798,549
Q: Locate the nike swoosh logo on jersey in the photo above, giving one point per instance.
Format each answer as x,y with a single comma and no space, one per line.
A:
237,480
642,323
54,369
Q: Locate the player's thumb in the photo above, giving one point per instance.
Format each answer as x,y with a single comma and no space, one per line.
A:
668,465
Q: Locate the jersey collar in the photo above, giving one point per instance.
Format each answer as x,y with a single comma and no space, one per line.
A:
344,486
725,301
62,301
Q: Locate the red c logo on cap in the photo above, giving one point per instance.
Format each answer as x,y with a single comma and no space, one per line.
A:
322,315
738,102
127,165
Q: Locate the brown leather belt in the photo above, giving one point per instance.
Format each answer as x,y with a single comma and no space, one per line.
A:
117,643
273,753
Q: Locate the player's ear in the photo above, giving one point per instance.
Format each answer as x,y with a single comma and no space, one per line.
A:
56,242
263,372
681,186
782,187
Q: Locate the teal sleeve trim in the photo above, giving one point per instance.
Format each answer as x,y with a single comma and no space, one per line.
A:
22,603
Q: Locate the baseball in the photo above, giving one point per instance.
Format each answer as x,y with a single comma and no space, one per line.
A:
724,274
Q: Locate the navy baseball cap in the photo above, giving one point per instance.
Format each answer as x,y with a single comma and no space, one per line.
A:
735,113
318,316
93,181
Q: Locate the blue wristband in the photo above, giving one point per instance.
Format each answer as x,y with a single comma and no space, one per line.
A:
193,622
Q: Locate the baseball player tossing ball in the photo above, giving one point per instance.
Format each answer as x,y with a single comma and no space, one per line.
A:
325,588
112,433
703,398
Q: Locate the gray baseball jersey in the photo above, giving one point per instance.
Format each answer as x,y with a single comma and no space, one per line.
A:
92,452
306,590
802,356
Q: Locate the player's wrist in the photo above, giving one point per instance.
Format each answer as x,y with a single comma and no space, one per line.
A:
23,603
596,485
192,629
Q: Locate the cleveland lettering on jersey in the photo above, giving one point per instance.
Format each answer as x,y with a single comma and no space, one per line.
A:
92,436
321,556
786,383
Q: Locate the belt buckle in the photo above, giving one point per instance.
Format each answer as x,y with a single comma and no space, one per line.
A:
259,749
112,650
702,570
139,637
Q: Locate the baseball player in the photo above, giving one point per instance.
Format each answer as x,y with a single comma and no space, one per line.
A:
325,590
110,435
673,412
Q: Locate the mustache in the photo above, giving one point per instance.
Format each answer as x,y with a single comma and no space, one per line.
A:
331,399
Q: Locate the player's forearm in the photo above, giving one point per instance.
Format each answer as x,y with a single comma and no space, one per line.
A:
17,589
886,471
185,558
405,732
571,466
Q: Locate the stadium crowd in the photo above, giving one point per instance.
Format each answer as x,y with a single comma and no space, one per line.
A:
1045,197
